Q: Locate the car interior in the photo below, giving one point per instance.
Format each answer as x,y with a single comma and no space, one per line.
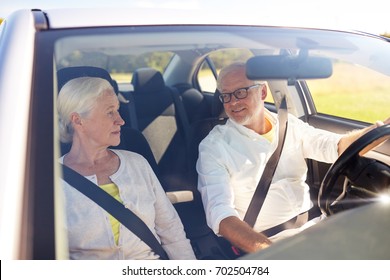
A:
164,142
167,112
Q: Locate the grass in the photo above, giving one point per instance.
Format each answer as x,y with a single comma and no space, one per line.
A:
360,106
354,93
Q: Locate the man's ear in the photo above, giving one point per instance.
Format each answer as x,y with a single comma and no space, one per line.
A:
263,92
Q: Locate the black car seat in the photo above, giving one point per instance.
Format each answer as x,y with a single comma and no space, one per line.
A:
162,124
64,75
199,129
208,245
196,105
158,117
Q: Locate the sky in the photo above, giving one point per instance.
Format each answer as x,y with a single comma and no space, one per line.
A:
345,14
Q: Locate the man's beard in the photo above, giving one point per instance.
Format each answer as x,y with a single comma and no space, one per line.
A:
244,120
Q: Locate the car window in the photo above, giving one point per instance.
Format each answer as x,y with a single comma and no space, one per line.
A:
120,67
352,92
219,59
206,79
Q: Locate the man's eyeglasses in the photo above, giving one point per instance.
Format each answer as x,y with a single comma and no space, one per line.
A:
240,93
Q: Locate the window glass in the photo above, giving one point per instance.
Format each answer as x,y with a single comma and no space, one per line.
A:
206,78
221,59
120,67
352,92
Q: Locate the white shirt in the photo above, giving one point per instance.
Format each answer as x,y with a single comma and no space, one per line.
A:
232,159
89,230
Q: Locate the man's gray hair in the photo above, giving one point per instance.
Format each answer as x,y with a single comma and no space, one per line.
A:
227,69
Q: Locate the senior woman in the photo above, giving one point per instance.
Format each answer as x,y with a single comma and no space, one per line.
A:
89,119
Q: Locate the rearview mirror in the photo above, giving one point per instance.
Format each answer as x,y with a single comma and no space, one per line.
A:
290,68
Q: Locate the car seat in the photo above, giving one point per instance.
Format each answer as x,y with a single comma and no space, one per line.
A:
64,75
164,128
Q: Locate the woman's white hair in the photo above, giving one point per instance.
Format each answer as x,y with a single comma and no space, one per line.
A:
78,96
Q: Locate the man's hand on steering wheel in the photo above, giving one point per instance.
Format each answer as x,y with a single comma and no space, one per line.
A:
355,167
352,136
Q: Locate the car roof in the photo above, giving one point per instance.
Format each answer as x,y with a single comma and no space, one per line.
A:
92,17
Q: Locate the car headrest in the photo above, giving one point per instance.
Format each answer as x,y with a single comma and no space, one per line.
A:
147,80
64,75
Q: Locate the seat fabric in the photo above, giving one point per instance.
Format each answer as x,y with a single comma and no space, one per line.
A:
158,120
64,75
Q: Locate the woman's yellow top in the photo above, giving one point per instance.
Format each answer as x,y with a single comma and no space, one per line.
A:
113,190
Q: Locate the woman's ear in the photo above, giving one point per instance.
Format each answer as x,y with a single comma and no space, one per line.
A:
75,119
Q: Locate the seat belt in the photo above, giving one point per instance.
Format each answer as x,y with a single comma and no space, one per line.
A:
124,215
265,181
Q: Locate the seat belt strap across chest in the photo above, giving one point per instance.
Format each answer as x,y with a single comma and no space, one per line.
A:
265,181
124,215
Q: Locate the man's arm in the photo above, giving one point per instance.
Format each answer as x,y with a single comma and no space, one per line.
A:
241,235
352,136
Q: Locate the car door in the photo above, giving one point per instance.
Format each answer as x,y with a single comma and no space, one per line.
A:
352,98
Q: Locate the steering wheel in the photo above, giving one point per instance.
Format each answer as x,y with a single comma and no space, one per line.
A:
353,167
